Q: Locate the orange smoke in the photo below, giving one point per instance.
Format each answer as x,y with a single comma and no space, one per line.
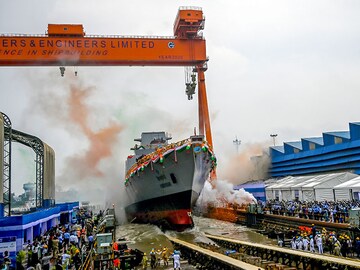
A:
100,142
78,111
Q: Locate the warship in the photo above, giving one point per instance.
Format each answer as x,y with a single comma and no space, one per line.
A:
163,180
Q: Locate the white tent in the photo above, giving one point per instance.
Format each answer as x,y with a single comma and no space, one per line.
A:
306,194
269,182
348,190
322,186
282,188
276,189
307,188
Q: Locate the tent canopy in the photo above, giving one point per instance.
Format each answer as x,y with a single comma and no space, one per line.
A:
314,181
328,181
313,187
353,183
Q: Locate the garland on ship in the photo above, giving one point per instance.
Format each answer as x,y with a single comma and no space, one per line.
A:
160,153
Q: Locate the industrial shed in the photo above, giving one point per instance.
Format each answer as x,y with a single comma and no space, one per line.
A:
348,190
308,188
333,152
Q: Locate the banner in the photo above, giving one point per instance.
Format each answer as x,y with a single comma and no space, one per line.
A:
8,243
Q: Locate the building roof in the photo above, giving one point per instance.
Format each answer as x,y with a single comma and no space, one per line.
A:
317,140
297,145
278,148
342,134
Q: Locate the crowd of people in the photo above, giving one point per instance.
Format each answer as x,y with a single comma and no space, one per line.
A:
320,241
329,211
65,246
61,247
161,255
311,239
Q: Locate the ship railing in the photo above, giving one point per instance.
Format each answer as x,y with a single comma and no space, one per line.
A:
157,153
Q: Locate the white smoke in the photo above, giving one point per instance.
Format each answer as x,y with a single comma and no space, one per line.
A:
223,193
252,163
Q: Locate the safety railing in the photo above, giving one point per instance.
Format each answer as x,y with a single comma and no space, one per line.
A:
156,154
23,35
189,8
130,36
87,262
89,36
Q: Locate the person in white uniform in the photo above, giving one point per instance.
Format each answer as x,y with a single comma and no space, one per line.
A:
176,257
312,244
319,243
306,243
299,244
293,243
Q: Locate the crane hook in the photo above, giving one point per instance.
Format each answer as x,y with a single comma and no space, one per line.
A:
62,71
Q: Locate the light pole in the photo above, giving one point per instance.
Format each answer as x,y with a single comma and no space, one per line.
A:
237,144
273,136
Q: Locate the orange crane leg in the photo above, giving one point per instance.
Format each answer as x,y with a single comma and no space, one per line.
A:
204,117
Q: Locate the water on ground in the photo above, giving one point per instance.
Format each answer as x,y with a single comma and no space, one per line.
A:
145,237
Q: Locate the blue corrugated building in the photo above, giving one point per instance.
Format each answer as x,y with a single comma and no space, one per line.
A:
333,152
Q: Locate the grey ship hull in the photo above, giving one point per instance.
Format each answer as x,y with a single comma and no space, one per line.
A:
164,193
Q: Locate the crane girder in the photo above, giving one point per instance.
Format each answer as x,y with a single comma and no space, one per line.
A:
103,51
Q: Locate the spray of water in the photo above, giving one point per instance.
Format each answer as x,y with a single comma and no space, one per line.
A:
223,194
246,166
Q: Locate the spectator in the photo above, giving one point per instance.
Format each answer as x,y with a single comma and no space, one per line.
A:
7,261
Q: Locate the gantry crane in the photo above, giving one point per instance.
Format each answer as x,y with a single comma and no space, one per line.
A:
68,45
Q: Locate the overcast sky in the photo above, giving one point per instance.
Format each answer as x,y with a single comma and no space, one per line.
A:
285,67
